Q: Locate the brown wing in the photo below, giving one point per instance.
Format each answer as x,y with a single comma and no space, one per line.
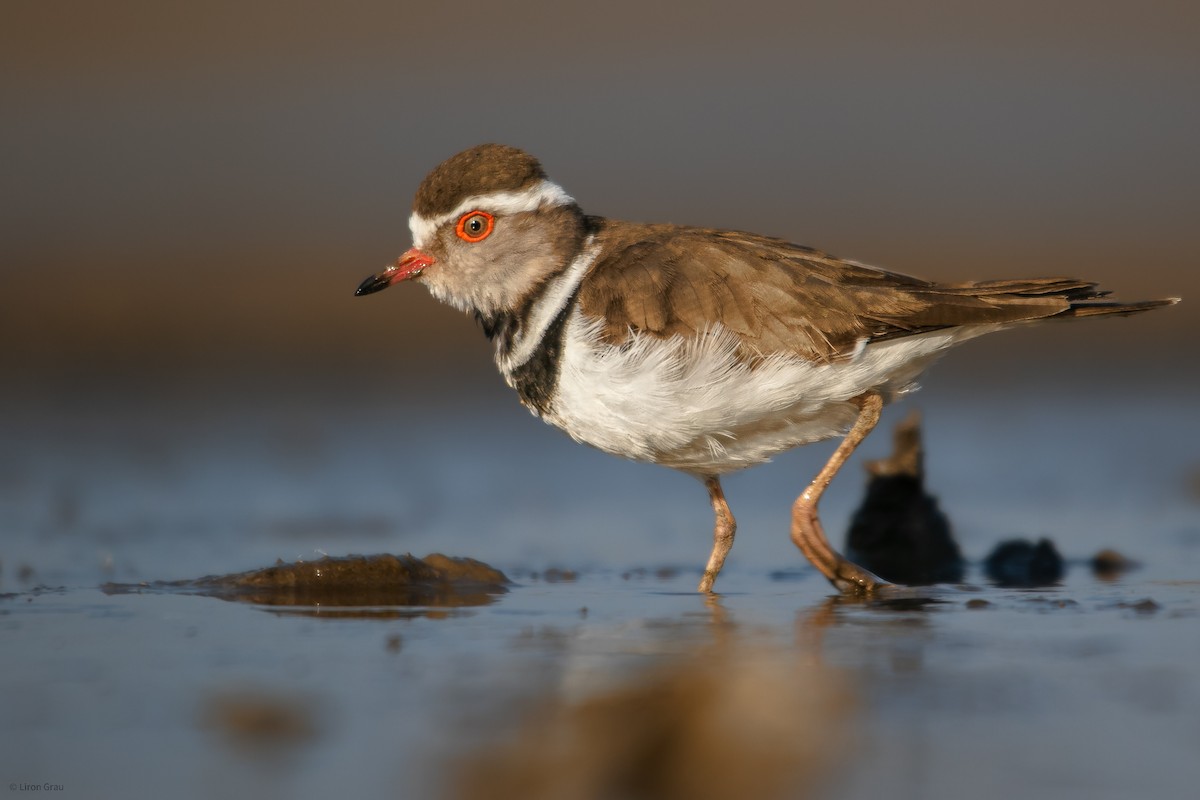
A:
783,298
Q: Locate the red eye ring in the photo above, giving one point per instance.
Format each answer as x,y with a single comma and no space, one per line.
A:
475,226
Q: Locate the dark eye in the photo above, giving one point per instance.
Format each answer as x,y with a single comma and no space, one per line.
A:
474,226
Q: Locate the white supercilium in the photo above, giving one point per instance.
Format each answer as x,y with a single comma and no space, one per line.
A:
545,193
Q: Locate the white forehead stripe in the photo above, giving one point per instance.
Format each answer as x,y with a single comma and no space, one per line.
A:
540,194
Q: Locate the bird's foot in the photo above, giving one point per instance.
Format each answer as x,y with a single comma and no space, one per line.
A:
850,578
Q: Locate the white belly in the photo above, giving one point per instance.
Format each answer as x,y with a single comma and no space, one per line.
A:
693,405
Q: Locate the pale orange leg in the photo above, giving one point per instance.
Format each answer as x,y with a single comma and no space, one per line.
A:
806,526
724,528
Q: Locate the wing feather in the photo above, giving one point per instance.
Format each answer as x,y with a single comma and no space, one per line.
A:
777,297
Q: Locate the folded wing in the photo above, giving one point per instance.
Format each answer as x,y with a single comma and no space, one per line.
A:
665,280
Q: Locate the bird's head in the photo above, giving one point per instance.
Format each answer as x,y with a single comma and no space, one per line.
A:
488,228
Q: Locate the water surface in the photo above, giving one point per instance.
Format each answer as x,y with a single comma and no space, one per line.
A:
1087,688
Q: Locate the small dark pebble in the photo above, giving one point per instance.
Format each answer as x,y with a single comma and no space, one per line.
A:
1019,562
394,643
1145,606
661,573
977,603
1109,564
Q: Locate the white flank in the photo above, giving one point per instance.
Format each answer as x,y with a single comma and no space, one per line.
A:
541,194
692,404
558,291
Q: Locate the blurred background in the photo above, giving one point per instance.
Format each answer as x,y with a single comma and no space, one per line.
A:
193,190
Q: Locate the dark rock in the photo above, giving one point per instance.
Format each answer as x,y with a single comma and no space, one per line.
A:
1019,562
899,532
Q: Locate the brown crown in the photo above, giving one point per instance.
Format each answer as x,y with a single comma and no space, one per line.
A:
483,169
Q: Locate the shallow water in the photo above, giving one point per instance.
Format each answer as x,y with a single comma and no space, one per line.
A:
1080,689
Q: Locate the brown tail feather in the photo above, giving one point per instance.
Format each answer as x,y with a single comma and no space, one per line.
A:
1079,294
1086,309
1006,302
1070,288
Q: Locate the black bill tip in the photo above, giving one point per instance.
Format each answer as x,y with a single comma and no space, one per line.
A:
373,284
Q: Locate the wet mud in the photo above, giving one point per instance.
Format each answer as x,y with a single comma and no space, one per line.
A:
351,581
